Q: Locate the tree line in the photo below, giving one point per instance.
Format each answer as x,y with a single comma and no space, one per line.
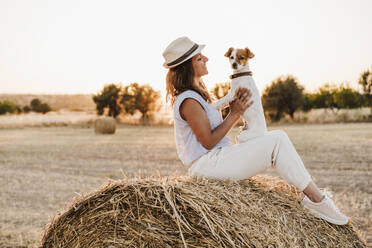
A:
134,97
35,105
285,95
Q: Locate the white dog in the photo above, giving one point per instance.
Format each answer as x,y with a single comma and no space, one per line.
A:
254,118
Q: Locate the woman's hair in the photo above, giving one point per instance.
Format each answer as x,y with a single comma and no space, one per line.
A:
181,78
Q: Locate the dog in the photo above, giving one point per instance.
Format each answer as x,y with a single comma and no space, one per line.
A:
254,118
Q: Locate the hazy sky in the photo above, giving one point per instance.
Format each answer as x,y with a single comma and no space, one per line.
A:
74,46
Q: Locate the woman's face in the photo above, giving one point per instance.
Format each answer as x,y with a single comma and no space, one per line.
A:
199,65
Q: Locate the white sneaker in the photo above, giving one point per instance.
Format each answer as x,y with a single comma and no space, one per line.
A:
326,210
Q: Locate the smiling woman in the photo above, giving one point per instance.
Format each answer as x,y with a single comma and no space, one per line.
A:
180,76
199,65
201,141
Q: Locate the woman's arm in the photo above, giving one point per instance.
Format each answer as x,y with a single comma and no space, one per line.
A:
197,119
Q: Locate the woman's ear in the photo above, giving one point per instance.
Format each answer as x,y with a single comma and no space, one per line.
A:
249,53
228,53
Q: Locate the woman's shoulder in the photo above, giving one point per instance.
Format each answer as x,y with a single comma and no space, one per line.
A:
188,94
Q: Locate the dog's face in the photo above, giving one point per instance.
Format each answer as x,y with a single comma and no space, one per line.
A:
239,57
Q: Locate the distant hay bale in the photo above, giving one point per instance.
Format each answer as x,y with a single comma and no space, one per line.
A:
183,212
105,125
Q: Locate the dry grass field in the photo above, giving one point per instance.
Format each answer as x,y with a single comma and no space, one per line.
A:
77,102
43,168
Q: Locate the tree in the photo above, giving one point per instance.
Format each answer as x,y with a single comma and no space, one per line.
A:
142,98
283,95
336,97
324,97
19,109
307,102
26,109
346,97
39,107
44,108
365,80
35,104
109,98
220,90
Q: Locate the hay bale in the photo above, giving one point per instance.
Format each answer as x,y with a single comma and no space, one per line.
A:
182,212
105,125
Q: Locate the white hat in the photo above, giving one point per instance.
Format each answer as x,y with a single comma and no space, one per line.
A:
179,51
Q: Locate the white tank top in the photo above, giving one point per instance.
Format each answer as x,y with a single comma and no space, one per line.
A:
188,146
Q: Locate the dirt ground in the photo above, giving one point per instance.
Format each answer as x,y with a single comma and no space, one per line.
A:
43,168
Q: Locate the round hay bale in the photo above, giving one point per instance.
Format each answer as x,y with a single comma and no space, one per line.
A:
182,212
105,125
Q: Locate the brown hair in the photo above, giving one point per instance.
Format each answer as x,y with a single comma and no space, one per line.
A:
180,79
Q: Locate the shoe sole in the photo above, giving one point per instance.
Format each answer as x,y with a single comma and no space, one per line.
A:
330,220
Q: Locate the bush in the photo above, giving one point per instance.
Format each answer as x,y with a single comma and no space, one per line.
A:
323,98
35,103
7,107
19,109
44,108
39,107
333,96
26,109
346,97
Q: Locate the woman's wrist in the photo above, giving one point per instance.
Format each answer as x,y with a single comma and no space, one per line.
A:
234,116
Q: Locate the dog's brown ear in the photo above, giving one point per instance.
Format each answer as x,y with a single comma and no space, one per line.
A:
249,53
228,53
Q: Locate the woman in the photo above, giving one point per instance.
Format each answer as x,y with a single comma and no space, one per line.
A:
201,140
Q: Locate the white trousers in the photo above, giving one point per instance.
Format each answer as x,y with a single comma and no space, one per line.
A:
247,159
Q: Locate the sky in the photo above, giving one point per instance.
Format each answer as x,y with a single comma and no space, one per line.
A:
78,46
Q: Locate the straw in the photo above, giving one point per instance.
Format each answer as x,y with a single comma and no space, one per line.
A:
186,212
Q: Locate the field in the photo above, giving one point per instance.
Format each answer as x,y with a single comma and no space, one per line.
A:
43,168
77,102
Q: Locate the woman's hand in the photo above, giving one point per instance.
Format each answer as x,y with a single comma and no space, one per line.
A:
192,112
240,103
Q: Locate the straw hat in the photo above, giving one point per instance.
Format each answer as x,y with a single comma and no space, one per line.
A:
179,51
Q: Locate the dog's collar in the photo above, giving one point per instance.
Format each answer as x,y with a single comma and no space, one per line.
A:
247,73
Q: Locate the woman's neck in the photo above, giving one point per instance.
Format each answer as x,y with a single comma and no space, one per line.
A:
197,82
